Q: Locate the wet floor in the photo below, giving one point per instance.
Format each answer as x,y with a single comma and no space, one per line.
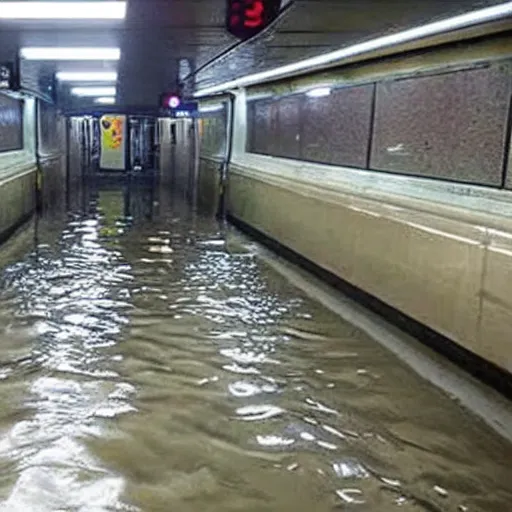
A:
150,362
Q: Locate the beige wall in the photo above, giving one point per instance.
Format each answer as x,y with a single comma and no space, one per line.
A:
450,274
17,195
438,251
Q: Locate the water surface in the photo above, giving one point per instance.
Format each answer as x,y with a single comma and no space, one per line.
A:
149,362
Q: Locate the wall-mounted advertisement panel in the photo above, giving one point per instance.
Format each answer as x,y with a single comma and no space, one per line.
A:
113,142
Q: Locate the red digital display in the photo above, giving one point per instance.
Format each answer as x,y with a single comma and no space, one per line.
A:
245,18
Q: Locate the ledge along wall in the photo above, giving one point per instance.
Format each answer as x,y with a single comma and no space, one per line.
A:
399,182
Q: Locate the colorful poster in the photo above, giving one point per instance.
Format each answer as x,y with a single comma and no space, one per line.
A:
113,141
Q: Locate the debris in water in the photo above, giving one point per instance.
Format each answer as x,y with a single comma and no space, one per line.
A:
442,492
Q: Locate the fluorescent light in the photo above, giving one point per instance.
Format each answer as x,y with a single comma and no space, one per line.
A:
455,23
260,96
63,10
105,100
79,53
93,91
211,108
84,76
319,92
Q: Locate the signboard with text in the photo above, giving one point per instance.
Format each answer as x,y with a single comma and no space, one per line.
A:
113,142
184,110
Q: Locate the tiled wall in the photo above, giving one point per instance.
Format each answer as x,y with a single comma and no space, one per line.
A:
49,141
11,124
336,128
450,125
212,132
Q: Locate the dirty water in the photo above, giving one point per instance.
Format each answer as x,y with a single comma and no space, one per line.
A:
150,362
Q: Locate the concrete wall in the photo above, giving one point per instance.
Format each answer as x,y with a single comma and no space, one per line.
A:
178,157
208,184
52,138
18,175
18,168
212,137
439,250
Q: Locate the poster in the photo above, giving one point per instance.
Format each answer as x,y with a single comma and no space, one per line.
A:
113,142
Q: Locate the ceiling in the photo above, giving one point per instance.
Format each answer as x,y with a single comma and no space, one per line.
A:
158,33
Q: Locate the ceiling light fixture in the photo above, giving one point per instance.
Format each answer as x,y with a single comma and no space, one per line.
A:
455,23
105,100
319,92
63,10
210,108
79,53
85,76
93,91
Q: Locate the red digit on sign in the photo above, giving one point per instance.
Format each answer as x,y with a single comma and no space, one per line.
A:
254,14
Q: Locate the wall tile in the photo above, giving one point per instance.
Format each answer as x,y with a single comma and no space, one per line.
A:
265,139
336,128
250,126
11,125
48,128
289,127
213,133
450,126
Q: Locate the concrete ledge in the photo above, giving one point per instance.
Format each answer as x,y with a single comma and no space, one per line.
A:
457,200
14,163
17,194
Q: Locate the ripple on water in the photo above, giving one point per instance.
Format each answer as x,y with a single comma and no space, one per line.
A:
157,366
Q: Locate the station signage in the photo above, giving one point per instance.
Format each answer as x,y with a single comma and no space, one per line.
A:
185,110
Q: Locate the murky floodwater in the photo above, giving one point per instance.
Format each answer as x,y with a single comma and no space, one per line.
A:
147,362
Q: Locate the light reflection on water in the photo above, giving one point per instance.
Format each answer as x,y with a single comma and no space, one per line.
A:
155,364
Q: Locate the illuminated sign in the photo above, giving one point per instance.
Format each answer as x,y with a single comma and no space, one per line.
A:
170,100
174,102
185,110
246,18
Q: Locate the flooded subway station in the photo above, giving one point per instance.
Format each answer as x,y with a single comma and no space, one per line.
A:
255,256
153,359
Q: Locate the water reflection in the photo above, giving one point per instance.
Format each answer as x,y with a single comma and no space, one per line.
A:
149,362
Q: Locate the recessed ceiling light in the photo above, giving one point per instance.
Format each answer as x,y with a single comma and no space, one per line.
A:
85,76
93,91
105,100
57,53
319,92
211,108
63,10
